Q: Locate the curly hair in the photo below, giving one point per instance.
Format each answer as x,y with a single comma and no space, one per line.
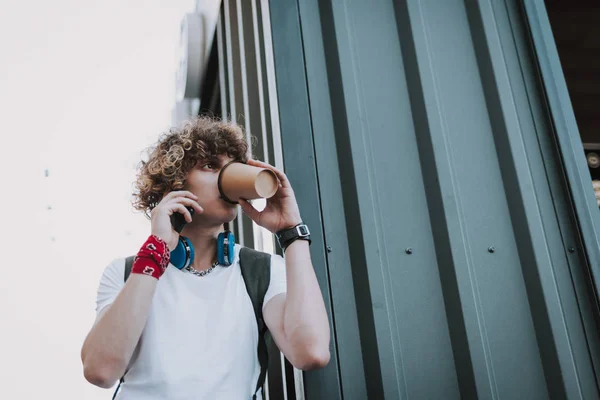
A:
201,139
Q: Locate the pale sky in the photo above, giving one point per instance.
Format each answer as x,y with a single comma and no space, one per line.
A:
84,88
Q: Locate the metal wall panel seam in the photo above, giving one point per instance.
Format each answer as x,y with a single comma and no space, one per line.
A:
259,84
234,89
323,274
264,47
566,132
501,127
558,221
229,62
454,233
345,321
228,91
271,84
534,224
223,70
576,286
238,95
296,131
369,208
251,73
272,128
263,132
427,117
244,222
242,85
482,41
251,91
533,202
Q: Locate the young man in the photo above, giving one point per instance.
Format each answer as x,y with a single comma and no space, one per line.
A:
192,334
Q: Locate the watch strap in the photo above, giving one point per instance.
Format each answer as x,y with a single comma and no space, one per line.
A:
285,237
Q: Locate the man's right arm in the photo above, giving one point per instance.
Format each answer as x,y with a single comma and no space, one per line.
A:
109,346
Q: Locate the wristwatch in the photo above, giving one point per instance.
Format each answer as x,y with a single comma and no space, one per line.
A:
285,237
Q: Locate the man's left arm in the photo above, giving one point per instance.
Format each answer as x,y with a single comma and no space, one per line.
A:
297,319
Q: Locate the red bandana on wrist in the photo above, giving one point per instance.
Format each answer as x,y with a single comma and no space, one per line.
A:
153,258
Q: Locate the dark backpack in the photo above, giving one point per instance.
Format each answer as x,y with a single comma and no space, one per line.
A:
256,271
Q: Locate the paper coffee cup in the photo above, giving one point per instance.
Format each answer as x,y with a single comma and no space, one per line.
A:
243,181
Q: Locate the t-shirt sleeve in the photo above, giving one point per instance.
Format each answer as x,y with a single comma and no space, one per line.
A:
111,283
278,283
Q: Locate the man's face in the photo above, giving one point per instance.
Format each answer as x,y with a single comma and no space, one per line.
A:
202,181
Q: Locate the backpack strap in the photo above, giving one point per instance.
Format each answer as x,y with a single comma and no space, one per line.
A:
128,266
256,271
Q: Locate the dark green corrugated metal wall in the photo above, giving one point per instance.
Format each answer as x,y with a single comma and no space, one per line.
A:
417,136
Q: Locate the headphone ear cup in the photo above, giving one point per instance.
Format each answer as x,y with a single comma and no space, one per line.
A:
225,248
183,254
231,249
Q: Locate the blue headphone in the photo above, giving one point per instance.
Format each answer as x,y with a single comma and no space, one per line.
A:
183,255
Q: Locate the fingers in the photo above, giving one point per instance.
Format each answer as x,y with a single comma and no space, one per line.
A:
180,193
282,177
190,203
180,201
180,208
249,209
184,197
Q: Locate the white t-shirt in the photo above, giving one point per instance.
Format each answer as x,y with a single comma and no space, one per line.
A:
201,336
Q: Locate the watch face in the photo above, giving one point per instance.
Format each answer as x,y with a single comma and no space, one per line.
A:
303,230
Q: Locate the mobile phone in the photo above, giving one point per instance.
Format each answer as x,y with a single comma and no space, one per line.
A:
178,219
